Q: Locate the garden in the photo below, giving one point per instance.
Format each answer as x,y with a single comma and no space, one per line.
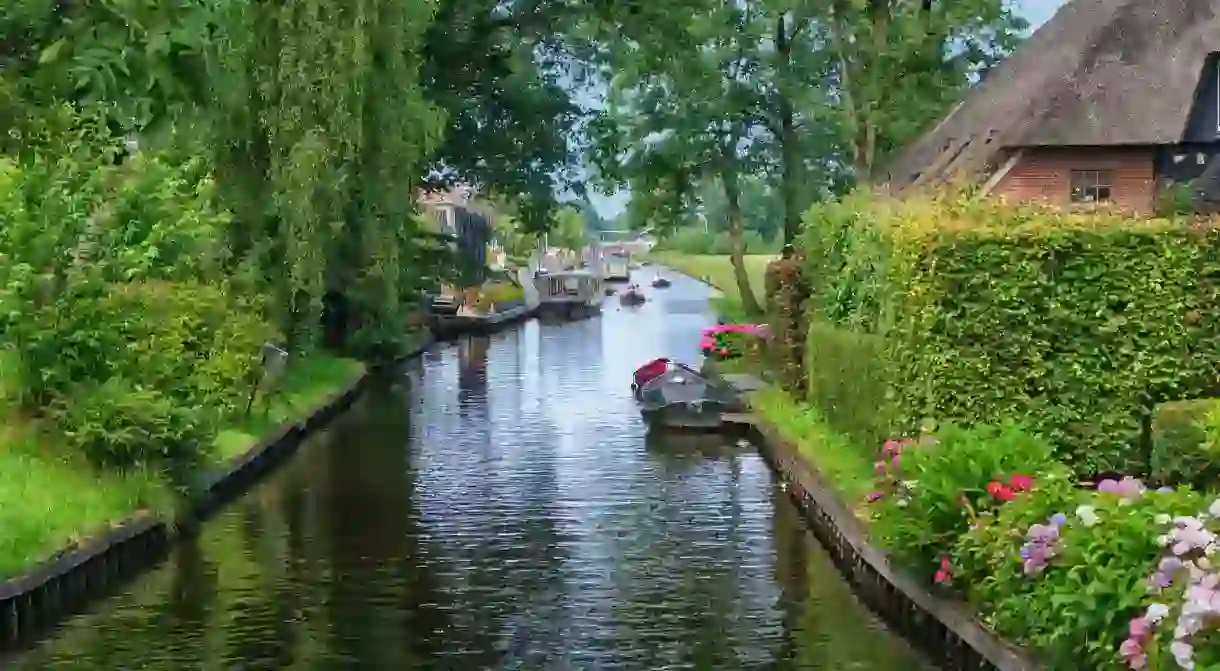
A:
1017,402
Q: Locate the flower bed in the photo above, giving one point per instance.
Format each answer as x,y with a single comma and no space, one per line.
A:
1114,576
724,342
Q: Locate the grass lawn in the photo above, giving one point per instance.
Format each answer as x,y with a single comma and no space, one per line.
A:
718,272
50,499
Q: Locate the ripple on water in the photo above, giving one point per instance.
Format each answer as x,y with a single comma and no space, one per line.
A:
508,512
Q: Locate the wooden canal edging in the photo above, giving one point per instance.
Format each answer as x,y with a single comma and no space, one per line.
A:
55,589
946,631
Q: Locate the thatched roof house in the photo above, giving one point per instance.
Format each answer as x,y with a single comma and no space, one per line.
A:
1104,102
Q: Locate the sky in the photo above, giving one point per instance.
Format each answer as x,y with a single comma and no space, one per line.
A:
1036,12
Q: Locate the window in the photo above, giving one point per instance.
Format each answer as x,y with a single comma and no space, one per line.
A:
1092,186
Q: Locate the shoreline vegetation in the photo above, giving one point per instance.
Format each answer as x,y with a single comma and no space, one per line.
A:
1014,400
52,500
716,271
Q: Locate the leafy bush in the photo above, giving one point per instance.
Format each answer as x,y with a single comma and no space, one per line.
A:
847,380
1067,570
120,425
1186,442
187,341
1076,324
939,485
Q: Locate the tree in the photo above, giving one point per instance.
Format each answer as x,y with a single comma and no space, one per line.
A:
683,112
899,65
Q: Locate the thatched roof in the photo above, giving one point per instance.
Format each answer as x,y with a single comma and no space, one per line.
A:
1100,73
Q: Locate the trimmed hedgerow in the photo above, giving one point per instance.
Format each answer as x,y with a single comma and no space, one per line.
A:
1076,324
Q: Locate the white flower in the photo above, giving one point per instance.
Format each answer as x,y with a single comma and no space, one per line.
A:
1214,508
1162,519
1087,515
1156,612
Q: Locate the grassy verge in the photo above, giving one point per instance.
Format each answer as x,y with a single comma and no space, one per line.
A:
51,500
843,464
305,385
718,272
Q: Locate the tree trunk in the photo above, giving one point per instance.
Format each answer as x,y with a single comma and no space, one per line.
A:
789,157
737,244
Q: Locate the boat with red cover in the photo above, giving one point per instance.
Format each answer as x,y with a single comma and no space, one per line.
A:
674,395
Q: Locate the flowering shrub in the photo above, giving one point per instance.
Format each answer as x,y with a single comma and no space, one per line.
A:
1078,575
731,341
931,489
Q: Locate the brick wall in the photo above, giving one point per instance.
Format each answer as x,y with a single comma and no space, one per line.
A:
1045,174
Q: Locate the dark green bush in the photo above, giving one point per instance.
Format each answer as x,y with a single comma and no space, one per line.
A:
1186,443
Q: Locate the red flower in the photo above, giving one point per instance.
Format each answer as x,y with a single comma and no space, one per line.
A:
1021,483
999,490
724,351
945,572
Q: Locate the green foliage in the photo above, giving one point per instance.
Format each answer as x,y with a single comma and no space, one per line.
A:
846,467
847,380
1175,199
1186,443
1076,324
120,425
943,485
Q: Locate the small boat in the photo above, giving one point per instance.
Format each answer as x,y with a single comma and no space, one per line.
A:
660,282
632,296
675,396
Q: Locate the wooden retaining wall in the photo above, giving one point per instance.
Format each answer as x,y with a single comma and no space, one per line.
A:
943,630
50,592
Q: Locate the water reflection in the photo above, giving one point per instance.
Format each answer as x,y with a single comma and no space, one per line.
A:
500,506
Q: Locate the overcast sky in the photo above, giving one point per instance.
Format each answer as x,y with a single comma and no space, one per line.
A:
1036,12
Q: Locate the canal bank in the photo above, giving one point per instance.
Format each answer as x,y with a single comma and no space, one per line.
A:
499,505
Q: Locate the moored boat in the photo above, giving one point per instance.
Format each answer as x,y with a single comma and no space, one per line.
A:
675,396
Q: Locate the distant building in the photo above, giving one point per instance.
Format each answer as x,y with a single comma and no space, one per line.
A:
1107,102
458,213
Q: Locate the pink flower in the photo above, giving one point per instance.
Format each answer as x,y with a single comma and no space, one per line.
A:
879,467
1139,628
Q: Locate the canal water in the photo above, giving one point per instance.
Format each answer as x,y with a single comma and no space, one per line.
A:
500,505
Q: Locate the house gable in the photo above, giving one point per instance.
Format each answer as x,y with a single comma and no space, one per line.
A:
1203,124
1103,73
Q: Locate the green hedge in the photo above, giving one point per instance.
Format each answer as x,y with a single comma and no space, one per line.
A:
1075,324
847,380
1186,442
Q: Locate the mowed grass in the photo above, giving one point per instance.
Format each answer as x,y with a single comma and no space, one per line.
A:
844,465
51,500
717,271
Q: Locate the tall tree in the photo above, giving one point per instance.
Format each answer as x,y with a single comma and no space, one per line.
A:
684,112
